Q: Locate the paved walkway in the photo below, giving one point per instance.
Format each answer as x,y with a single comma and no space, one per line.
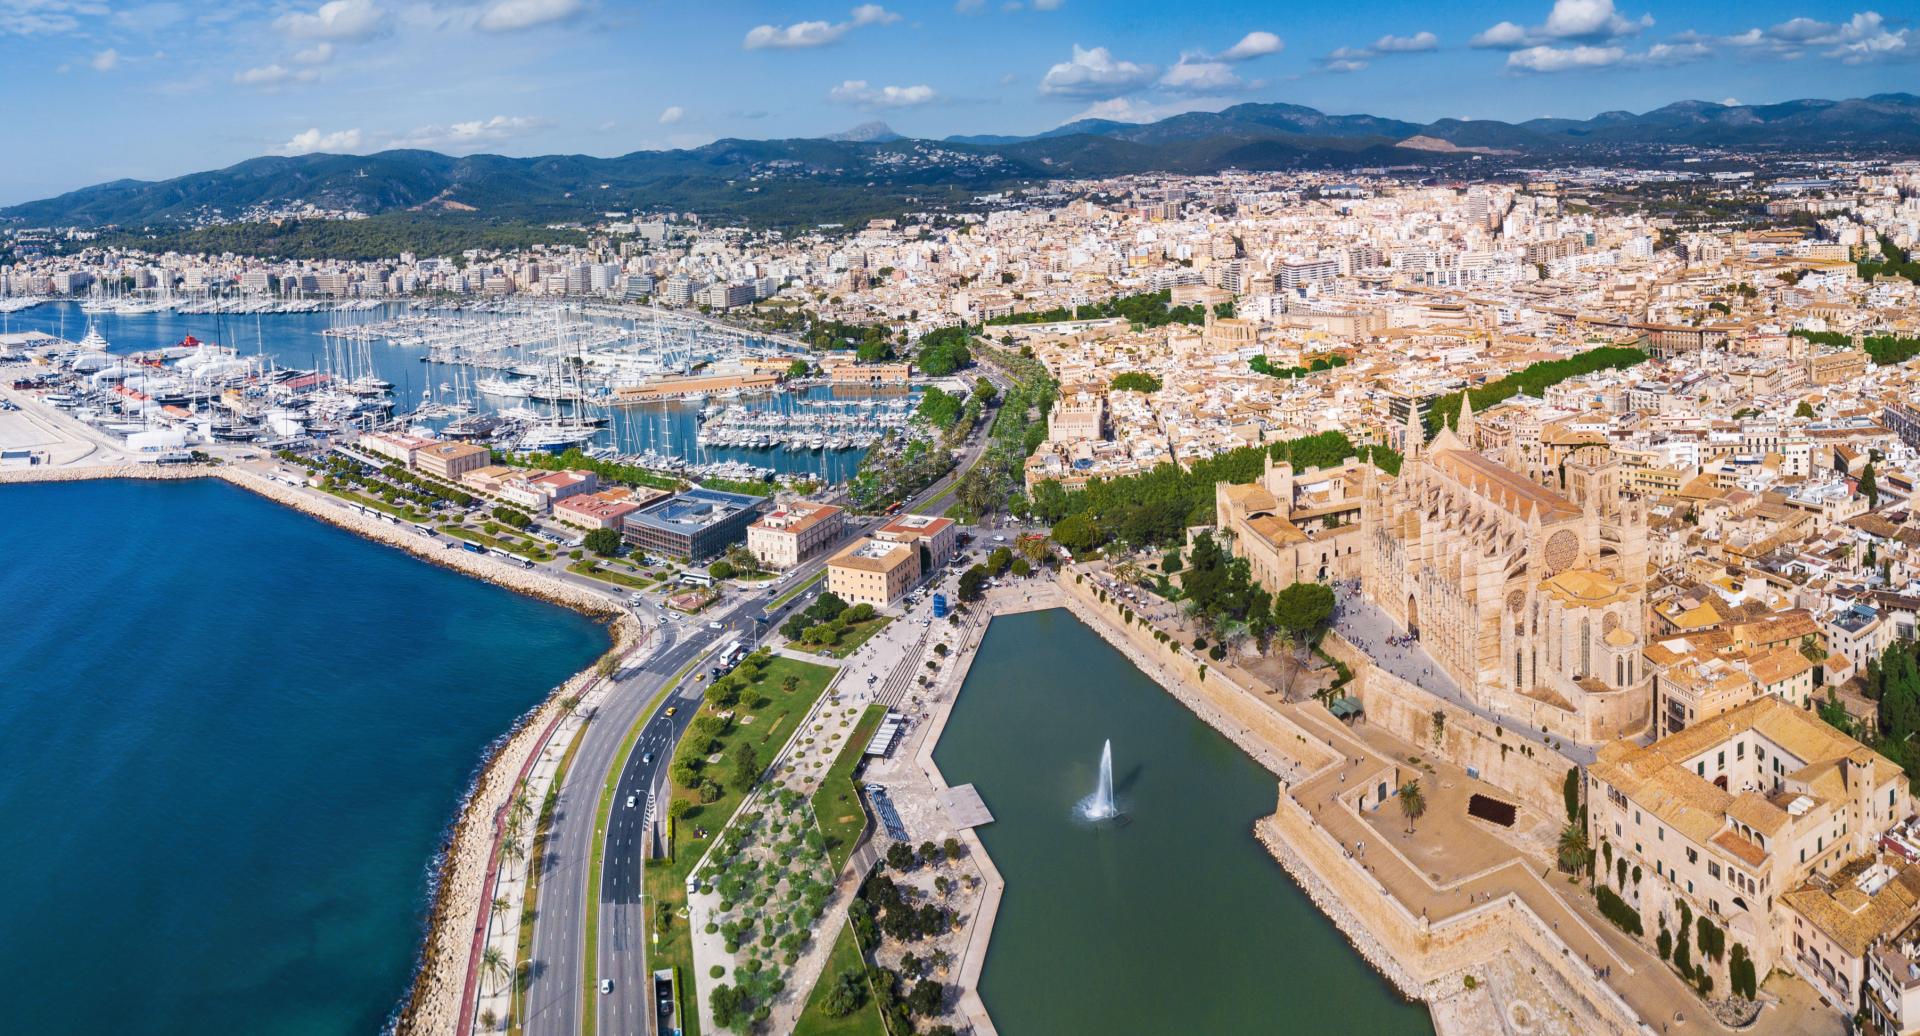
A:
1368,628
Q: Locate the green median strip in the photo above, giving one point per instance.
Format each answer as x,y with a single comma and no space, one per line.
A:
591,962
797,590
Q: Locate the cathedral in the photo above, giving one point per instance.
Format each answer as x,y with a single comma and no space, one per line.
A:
1529,593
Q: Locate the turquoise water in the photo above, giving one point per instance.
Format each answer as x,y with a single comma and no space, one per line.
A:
1177,921
233,738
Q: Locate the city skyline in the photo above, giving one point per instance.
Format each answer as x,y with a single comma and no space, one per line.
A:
156,90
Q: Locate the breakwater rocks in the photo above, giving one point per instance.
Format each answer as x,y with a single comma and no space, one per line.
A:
90,472
433,1004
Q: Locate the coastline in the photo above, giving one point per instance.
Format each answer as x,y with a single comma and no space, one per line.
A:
446,958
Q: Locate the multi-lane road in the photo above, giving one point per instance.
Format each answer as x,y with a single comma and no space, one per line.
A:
557,979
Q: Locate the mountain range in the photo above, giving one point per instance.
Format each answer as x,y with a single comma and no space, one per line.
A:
871,170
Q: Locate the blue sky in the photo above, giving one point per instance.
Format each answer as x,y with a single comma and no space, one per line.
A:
97,90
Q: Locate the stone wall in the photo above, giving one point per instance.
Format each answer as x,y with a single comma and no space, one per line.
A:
1425,962
1215,691
91,472
1430,962
1530,773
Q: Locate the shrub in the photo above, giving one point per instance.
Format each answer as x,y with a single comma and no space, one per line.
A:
1615,909
1741,975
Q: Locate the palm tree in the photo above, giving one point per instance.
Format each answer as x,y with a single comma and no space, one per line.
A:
1573,852
569,703
501,905
513,851
493,964
522,805
1413,802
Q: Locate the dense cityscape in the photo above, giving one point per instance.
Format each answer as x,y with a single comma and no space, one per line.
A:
1201,564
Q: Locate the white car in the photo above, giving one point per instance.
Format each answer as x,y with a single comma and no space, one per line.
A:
606,985
630,802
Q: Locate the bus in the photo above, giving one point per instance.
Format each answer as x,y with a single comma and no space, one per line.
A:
472,547
894,508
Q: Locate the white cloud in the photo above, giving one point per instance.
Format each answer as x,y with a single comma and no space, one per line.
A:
1502,36
815,33
274,75
969,6
105,61
1126,109
1353,59
1862,38
1047,5
1562,59
1413,44
858,93
1673,53
318,54
1095,73
336,20
673,114
510,15
1590,20
46,17
1258,43
1582,21
471,136
313,140
799,34
1201,77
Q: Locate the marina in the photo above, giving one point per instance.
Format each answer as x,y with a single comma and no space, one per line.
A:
676,395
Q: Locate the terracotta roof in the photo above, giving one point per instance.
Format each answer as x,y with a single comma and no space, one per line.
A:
1503,486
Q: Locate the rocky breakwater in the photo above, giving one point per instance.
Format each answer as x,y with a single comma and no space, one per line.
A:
446,957
89,472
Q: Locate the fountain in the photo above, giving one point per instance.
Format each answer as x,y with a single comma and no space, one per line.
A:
1099,805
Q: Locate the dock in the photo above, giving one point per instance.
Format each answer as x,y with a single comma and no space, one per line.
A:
964,807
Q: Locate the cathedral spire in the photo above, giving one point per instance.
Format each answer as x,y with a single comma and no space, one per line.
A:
1416,433
1464,426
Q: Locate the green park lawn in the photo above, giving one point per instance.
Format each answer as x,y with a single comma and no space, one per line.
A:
512,543
836,803
814,1020
850,639
401,511
608,575
770,727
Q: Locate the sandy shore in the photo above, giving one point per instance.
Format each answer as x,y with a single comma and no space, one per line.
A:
432,1004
